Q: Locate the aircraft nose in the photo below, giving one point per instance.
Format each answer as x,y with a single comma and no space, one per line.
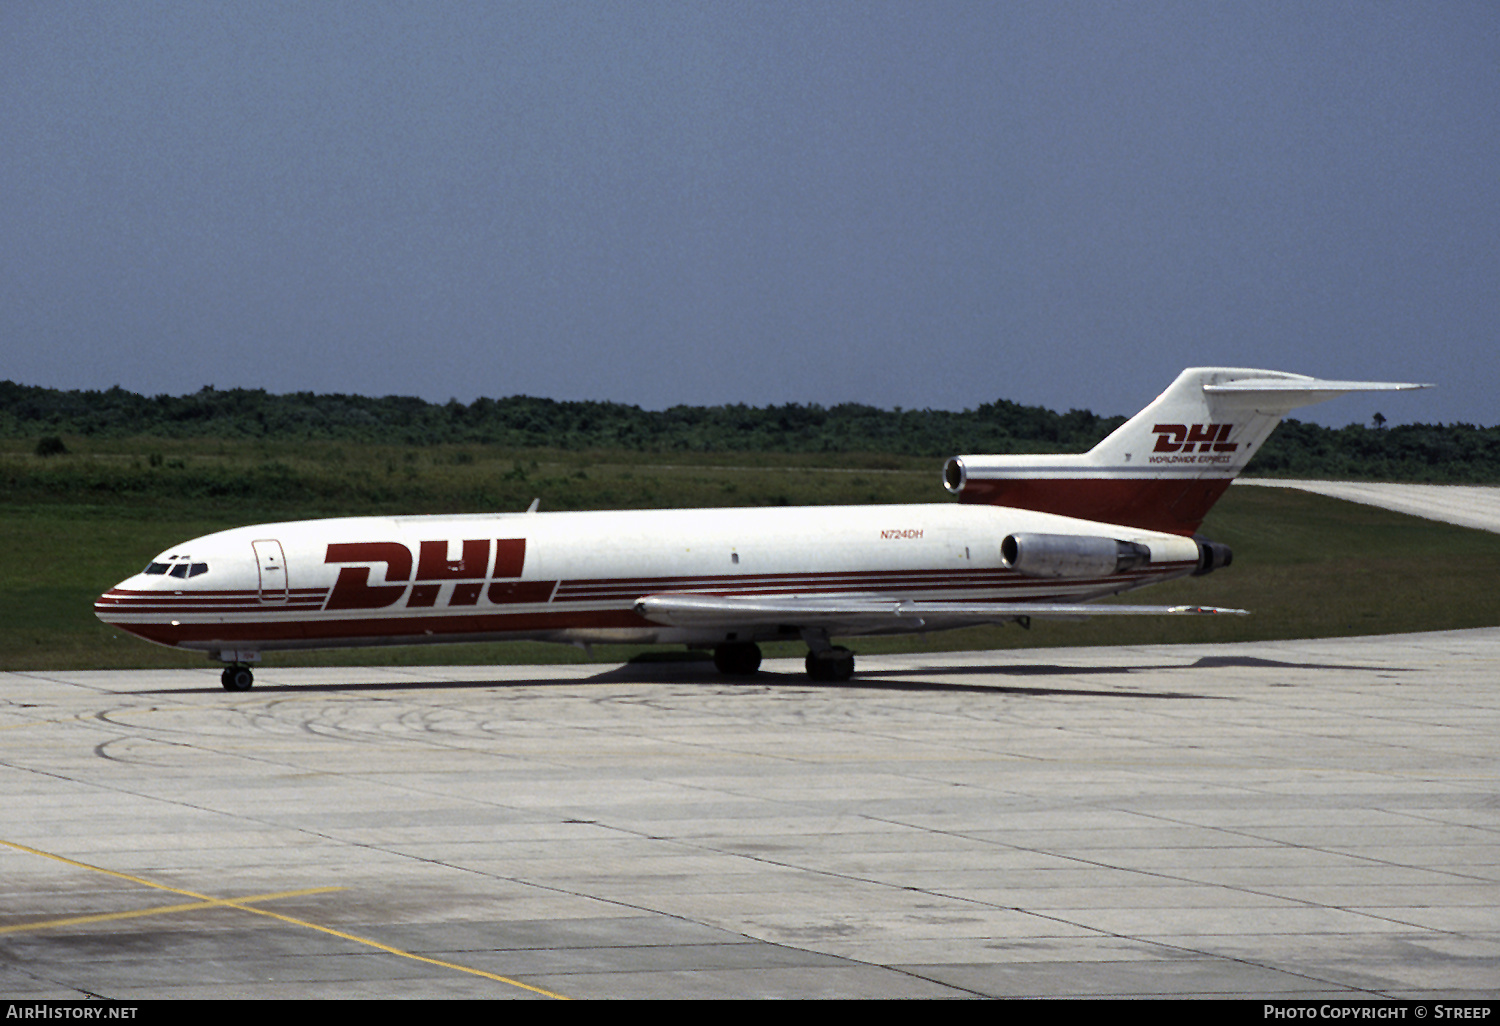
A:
108,606
137,608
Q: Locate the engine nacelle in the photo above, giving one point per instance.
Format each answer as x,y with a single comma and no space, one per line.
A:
955,475
1070,555
1211,555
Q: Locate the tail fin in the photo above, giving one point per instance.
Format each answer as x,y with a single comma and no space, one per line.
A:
1163,468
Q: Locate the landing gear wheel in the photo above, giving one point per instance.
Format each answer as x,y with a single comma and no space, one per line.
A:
834,665
737,658
237,678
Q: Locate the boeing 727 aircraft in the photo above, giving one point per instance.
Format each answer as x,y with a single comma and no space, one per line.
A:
1030,536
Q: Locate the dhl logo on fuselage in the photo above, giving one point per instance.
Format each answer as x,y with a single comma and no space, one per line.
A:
469,574
1183,437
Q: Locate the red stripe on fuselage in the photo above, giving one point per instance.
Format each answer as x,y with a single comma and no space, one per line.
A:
417,628
864,581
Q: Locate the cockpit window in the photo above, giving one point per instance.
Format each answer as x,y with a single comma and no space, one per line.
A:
176,566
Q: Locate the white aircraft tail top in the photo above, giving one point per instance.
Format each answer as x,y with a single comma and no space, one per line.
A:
1166,466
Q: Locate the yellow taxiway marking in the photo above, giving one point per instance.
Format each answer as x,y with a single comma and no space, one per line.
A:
205,901
191,906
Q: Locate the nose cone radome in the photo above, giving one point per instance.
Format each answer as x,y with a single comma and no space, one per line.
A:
141,606
113,602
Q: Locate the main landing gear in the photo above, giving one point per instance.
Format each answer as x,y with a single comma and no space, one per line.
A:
237,678
737,658
834,664
825,662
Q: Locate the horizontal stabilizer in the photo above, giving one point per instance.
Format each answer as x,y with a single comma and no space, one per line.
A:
1288,393
1299,384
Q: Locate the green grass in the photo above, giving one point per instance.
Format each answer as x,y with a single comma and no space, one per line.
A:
1307,566
277,480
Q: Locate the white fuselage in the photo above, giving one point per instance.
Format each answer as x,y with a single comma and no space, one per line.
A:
575,577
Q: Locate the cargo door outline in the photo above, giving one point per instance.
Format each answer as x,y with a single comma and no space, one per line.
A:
270,564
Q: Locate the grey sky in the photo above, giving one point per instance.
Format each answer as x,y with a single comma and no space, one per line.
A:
909,204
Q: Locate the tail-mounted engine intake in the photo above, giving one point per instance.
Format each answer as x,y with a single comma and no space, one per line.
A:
954,476
1070,555
1211,555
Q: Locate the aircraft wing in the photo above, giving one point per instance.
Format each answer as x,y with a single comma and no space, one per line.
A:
851,614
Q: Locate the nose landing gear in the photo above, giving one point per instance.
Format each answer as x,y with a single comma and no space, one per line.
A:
237,678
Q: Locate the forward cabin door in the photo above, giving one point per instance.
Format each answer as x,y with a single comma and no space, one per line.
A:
271,562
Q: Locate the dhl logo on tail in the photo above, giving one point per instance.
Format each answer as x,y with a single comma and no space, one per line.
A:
1182,438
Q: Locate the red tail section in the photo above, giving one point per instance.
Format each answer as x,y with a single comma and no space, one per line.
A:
1175,507
1163,469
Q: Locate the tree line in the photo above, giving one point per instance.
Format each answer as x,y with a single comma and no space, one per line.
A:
1413,452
